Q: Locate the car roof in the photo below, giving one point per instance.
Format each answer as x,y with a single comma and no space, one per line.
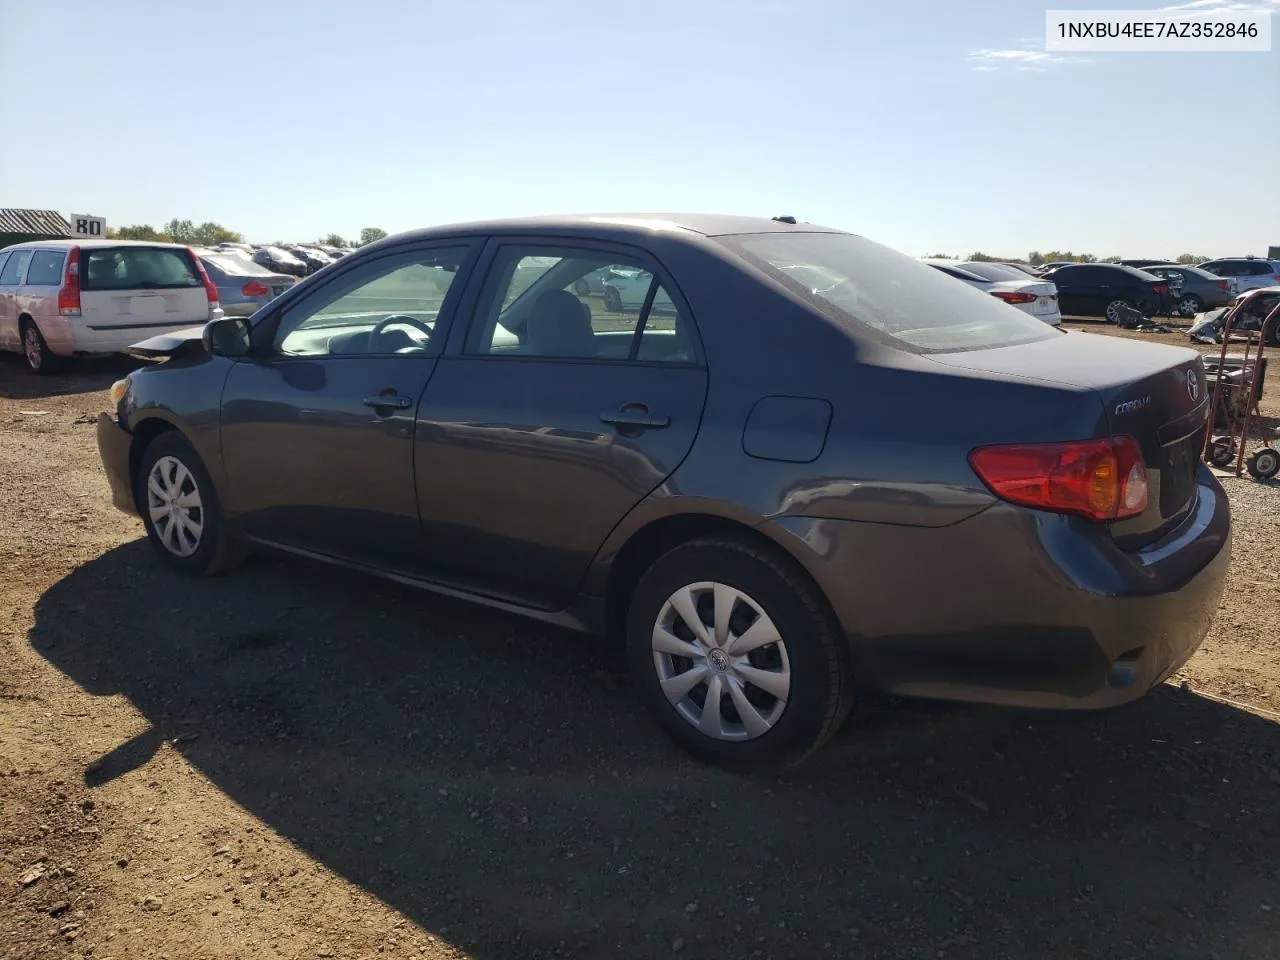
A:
67,244
632,226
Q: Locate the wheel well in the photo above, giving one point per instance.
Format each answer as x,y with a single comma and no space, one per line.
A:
651,542
145,431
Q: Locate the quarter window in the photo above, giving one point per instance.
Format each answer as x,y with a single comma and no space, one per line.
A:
565,303
388,307
46,268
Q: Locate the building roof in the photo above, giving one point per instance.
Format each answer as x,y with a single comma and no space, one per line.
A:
45,223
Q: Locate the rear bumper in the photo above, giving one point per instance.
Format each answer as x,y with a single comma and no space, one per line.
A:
1022,608
113,446
70,336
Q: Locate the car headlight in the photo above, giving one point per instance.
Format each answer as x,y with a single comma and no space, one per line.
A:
120,390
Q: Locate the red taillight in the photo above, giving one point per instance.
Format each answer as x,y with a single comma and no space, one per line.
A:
1011,297
254,289
1160,288
1224,286
69,295
210,290
1098,479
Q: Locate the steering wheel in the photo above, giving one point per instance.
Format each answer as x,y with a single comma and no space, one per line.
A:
398,319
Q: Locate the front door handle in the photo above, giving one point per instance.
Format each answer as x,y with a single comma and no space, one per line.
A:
389,400
634,415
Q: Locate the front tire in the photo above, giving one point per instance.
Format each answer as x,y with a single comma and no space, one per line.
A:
612,300
1114,310
737,656
180,508
40,359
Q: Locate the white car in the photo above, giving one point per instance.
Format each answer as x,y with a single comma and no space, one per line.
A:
1039,298
625,291
67,298
1249,273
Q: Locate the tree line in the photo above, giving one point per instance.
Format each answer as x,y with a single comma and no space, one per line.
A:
1037,259
210,234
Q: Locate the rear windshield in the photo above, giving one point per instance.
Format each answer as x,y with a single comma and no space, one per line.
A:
995,271
886,295
236,266
136,268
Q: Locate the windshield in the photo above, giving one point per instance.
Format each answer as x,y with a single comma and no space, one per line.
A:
886,295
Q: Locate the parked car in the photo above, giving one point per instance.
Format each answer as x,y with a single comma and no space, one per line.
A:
1104,289
1031,295
1142,264
278,260
243,286
1046,267
1196,290
313,258
232,246
1249,273
626,290
67,298
771,494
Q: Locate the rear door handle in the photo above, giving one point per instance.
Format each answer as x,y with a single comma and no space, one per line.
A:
389,400
634,415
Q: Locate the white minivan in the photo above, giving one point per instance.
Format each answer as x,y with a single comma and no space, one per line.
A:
67,298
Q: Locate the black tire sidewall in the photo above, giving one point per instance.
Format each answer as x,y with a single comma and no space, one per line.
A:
809,633
208,554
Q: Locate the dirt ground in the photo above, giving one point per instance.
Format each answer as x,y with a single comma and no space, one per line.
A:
297,762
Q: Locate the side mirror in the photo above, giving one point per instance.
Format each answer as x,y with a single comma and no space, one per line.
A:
228,337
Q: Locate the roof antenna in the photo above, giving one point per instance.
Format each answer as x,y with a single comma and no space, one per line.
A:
790,220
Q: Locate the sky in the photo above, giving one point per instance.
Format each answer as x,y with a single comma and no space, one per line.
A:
933,126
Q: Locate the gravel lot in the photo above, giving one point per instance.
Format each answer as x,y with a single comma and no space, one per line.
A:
295,762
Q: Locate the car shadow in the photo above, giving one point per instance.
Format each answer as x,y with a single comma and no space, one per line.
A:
495,781
73,377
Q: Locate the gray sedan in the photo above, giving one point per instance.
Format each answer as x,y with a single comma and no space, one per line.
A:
770,492
1196,290
243,286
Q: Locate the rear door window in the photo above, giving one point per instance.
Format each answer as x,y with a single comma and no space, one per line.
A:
137,268
1260,268
15,268
46,268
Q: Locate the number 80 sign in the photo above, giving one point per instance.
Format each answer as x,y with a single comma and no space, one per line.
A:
83,225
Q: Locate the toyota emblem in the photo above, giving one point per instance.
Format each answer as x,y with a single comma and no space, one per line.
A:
1193,385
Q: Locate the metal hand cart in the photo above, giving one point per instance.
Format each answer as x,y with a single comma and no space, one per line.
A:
1235,386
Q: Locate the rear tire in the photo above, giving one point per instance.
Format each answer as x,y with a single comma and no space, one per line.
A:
40,359
1115,310
180,509
1190,305
778,697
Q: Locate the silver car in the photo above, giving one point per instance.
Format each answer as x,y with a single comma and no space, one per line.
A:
66,298
243,286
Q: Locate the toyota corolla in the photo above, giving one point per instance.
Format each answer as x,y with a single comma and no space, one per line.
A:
775,491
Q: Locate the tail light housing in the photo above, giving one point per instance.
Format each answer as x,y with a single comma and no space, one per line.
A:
1010,296
210,290
1100,480
1225,285
1160,288
254,289
69,294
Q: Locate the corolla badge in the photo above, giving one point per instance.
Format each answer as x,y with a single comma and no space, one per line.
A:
1193,385
1132,406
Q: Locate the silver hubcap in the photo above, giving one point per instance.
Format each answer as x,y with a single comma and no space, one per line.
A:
173,503
31,346
1188,307
721,662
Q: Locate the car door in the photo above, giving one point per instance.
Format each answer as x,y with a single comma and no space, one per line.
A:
550,417
317,425
1073,292
9,339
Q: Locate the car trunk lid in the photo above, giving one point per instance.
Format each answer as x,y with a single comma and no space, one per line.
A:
1156,394
139,287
